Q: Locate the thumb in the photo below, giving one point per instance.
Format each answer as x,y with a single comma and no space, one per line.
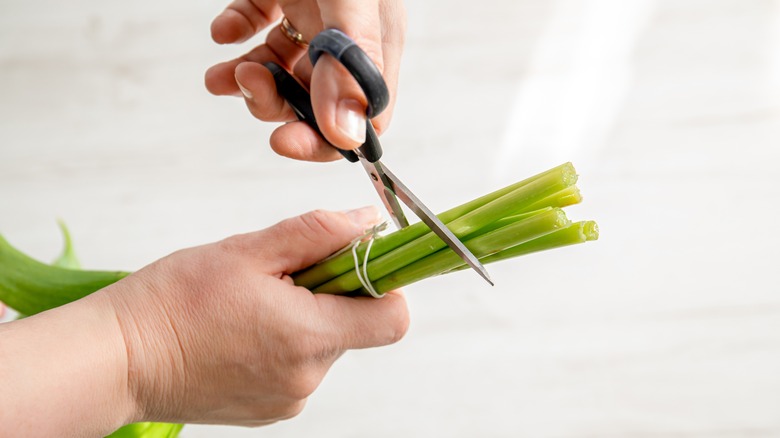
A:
298,242
338,102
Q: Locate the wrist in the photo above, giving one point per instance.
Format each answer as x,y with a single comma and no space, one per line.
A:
153,366
70,355
124,405
103,351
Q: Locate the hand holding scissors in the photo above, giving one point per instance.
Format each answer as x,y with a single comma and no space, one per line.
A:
378,26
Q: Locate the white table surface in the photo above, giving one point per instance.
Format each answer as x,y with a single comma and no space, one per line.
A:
668,326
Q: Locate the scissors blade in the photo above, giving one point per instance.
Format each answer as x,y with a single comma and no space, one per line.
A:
382,186
397,188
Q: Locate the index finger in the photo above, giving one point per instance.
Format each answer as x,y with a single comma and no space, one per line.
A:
362,322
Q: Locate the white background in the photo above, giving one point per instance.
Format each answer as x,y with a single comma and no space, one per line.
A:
669,326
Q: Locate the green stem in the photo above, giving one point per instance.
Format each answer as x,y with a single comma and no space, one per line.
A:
578,232
568,196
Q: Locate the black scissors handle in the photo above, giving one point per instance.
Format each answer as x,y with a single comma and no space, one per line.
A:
340,46
300,101
365,72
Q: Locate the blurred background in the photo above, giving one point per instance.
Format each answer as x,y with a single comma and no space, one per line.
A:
668,326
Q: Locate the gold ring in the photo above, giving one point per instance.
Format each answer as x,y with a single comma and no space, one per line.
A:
292,34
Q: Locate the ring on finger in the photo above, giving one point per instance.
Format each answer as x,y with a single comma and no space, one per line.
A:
292,34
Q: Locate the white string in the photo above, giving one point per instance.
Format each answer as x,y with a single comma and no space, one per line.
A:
363,276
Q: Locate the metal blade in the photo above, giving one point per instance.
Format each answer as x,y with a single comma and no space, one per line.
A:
434,223
383,188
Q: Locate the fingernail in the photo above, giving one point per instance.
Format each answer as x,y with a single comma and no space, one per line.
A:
351,120
365,217
243,89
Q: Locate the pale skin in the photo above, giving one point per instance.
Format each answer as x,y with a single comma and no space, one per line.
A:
212,334
219,333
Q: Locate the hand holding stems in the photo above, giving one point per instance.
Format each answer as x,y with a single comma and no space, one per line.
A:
377,26
212,334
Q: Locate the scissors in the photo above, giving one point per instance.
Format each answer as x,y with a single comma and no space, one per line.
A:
387,185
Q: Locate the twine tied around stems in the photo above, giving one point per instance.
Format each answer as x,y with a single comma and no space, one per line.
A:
370,234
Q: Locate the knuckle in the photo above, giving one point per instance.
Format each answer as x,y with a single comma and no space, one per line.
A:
265,414
259,112
234,247
311,349
230,244
307,364
266,110
316,223
293,409
399,330
302,385
399,321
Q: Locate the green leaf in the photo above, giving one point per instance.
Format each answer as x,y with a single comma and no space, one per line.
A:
30,286
66,259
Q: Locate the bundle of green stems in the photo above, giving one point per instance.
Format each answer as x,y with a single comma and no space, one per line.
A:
519,219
